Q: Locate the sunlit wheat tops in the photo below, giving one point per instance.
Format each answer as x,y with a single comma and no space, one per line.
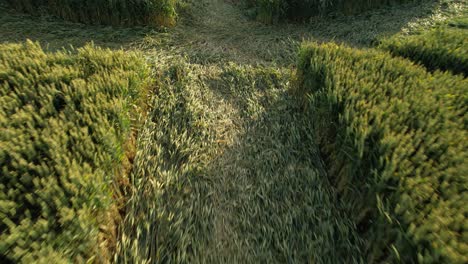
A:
393,137
64,120
443,48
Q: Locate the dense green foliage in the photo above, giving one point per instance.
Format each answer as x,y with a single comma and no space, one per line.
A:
441,49
110,12
65,118
273,10
394,140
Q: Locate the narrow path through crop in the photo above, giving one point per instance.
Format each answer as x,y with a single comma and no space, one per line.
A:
226,169
226,172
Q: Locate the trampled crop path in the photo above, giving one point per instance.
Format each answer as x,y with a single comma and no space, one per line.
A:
226,170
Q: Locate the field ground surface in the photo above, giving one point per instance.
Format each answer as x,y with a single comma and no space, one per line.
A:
225,168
